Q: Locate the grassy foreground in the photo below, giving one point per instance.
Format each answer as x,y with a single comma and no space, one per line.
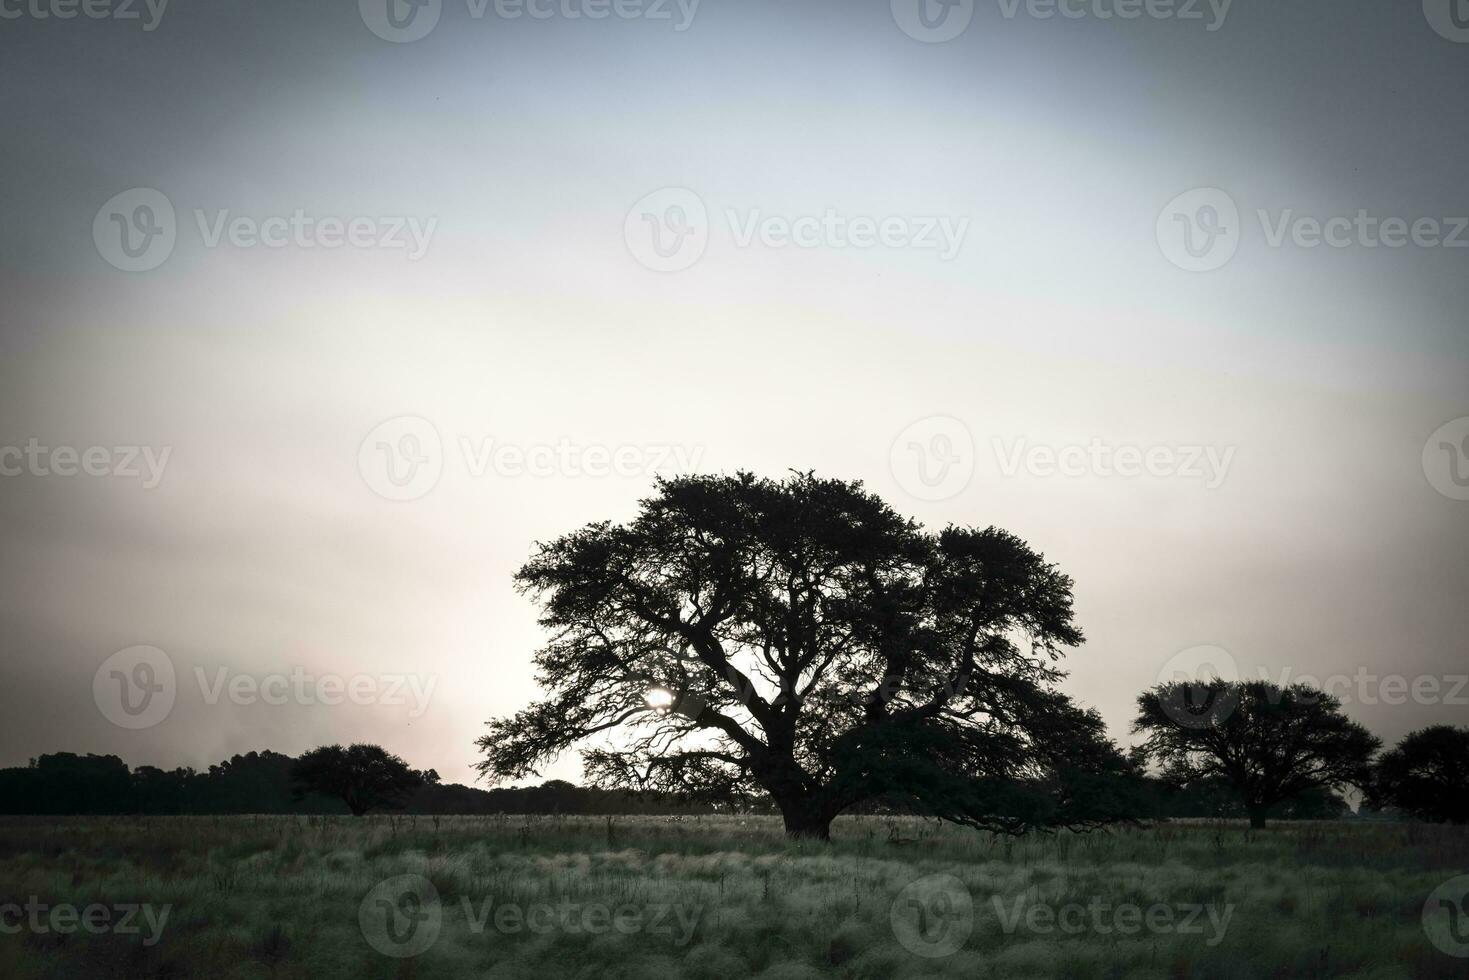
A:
714,897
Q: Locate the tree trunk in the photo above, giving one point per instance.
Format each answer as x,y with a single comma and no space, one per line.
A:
1257,818
806,824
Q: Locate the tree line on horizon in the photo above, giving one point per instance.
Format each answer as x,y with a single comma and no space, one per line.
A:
799,647
1408,782
267,782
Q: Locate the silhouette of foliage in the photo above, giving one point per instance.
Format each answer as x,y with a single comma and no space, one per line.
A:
1426,775
798,640
72,784
365,777
1215,798
260,782
1270,744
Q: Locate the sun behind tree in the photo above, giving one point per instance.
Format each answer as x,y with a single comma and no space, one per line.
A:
798,639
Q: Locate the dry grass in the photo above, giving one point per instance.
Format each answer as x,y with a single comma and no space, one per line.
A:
724,897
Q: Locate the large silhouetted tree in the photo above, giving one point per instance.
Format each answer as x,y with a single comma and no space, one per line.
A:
365,777
1269,743
1427,775
744,637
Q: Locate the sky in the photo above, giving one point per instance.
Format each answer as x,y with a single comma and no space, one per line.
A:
315,318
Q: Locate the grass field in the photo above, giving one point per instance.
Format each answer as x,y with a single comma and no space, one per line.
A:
715,897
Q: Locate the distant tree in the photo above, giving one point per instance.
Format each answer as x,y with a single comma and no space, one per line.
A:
1313,804
365,777
161,792
1426,775
1270,743
1216,798
798,640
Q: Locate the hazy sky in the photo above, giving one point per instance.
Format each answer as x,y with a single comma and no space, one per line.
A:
922,264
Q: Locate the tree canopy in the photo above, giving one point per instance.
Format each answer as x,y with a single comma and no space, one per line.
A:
365,777
1270,743
1426,775
743,637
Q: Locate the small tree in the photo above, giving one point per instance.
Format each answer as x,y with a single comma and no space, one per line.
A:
1427,775
1270,743
365,777
801,641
